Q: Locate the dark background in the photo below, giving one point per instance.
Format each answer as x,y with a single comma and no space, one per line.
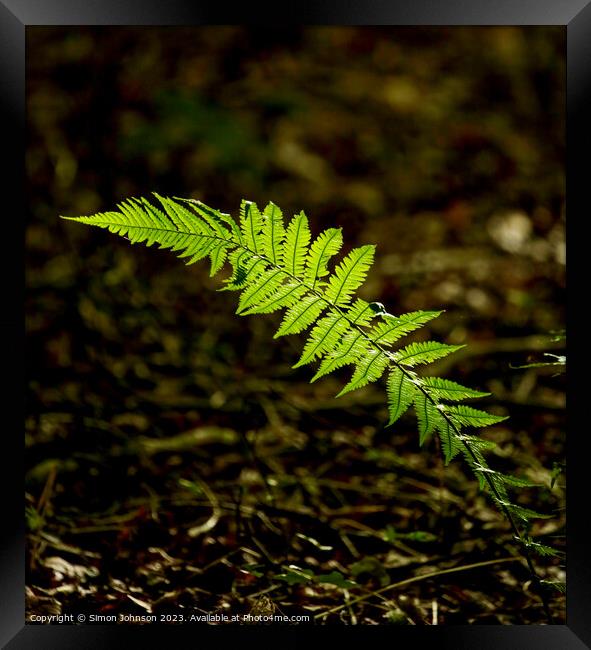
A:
146,395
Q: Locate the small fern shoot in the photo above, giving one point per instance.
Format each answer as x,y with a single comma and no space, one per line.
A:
276,266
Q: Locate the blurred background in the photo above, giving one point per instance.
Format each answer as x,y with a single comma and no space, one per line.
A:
174,458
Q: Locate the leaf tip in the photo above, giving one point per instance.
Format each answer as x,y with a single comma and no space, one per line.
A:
344,390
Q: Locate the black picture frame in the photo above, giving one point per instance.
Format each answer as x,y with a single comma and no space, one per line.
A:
15,17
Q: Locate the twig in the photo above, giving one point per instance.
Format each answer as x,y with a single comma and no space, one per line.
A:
215,511
351,611
408,581
42,508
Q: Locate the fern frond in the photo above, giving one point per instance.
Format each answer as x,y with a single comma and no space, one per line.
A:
517,481
251,224
369,368
544,551
218,256
476,444
393,328
301,315
401,393
175,227
285,296
347,351
324,336
326,245
349,275
424,352
451,445
428,415
178,214
273,233
471,417
361,312
217,217
525,514
507,479
264,285
472,449
246,269
275,267
295,248
450,390
213,217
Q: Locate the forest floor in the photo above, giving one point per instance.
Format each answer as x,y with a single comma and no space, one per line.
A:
176,463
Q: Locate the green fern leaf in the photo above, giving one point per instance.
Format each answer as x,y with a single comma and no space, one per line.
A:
472,452
215,220
276,267
424,352
524,514
324,336
200,239
451,444
559,586
251,224
264,285
518,481
394,327
201,246
222,217
301,315
295,248
273,233
506,479
213,240
347,351
449,390
175,228
285,296
471,417
183,219
218,256
146,221
478,444
428,416
212,217
543,551
349,275
401,393
369,368
247,268
108,220
360,313
326,245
